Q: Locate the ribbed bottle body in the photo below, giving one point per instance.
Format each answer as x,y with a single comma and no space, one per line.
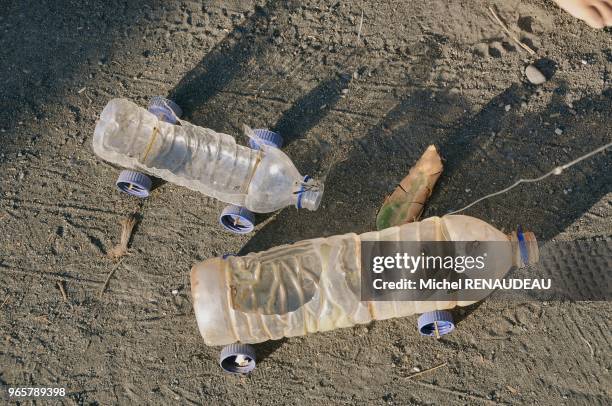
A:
195,157
315,285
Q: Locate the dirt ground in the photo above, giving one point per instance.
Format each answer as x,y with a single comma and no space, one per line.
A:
357,106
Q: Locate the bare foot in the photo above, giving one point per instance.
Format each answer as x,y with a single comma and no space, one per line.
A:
596,13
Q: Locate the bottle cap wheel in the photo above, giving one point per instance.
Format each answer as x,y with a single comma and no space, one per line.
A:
134,183
237,358
165,109
436,323
266,137
237,219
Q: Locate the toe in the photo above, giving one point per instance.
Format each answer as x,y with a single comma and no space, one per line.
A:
592,17
605,10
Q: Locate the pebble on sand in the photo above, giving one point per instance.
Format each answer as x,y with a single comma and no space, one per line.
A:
534,75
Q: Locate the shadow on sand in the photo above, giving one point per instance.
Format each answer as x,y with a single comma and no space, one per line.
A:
484,152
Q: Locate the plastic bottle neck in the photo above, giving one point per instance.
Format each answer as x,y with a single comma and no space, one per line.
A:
309,195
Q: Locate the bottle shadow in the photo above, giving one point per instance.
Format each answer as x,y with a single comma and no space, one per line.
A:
267,348
311,108
492,149
484,152
233,58
529,147
57,60
227,60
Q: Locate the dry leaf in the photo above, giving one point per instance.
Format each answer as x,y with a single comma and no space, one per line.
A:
406,202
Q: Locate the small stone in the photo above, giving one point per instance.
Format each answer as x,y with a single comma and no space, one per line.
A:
534,75
175,292
558,131
345,91
416,369
508,107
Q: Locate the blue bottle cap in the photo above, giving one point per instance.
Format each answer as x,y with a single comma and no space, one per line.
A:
436,323
165,109
522,245
134,183
237,219
237,358
266,137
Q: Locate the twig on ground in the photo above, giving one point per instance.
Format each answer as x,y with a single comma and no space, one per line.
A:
42,318
5,300
360,27
459,393
121,249
427,370
589,345
512,36
60,285
512,390
110,275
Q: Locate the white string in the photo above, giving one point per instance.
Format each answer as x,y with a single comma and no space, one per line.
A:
556,171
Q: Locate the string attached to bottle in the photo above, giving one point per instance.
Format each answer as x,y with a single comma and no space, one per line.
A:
555,171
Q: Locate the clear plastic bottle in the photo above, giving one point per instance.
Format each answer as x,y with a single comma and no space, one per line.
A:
203,160
314,285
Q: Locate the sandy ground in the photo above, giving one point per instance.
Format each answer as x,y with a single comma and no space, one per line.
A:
358,109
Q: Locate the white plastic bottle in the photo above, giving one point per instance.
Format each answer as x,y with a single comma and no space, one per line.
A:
314,285
203,160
